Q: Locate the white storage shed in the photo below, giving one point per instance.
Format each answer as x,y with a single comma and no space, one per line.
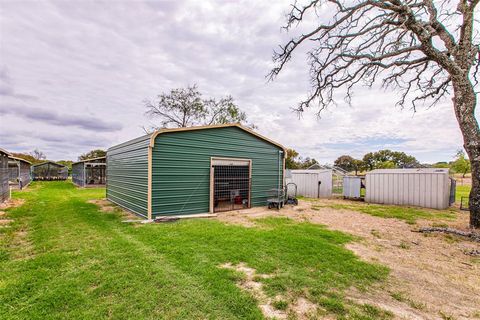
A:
429,187
352,186
312,183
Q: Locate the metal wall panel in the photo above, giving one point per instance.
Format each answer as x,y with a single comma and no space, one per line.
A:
19,172
352,186
416,187
181,167
48,171
25,177
78,174
4,175
127,175
307,182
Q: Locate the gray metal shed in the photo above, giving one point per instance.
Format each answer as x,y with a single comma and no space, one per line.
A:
90,172
352,186
426,187
4,186
19,172
312,183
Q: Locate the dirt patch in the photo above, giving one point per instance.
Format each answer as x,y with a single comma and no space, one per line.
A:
301,308
432,272
21,247
107,206
104,204
305,309
5,221
403,309
11,203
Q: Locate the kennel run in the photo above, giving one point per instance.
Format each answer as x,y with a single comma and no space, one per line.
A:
49,171
90,172
4,187
194,170
19,172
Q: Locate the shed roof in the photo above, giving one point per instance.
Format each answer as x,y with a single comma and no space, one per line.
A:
417,170
19,159
4,152
88,160
312,171
45,162
158,132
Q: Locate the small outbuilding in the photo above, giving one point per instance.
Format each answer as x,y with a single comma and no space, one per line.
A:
352,187
425,187
90,172
4,186
19,172
312,183
48,171
196,170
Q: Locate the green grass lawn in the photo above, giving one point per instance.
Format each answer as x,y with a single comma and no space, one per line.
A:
462,191
63,258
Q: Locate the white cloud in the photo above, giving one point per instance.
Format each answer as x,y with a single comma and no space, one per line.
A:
102,59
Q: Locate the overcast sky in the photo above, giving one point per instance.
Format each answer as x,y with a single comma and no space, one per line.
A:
73,75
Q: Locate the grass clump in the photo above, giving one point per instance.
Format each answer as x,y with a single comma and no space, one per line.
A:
462,191
280,305
404,244
400,296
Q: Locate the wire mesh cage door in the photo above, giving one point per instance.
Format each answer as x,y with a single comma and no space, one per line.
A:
95,174
231,187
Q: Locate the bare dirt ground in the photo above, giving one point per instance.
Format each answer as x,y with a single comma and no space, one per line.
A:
10,203
302,309
107,206
432,277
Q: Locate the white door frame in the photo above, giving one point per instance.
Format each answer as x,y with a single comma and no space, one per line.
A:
212,178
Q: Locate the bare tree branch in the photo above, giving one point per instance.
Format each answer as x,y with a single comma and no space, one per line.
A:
425,50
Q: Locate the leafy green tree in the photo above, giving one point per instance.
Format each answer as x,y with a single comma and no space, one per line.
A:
386,165
441,164
295,161
461,164
389,159
348,163
97,153
185,107
345,162
291,159
307,162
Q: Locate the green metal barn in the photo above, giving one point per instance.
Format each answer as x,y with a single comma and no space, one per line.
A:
195,170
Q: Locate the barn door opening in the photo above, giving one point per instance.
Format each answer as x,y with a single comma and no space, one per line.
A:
230,183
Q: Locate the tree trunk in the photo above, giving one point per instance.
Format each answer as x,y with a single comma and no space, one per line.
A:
464,102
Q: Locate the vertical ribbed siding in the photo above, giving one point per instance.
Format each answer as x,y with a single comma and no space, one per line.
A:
24,176
181,167
127,175
4,187
78,174
429,190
